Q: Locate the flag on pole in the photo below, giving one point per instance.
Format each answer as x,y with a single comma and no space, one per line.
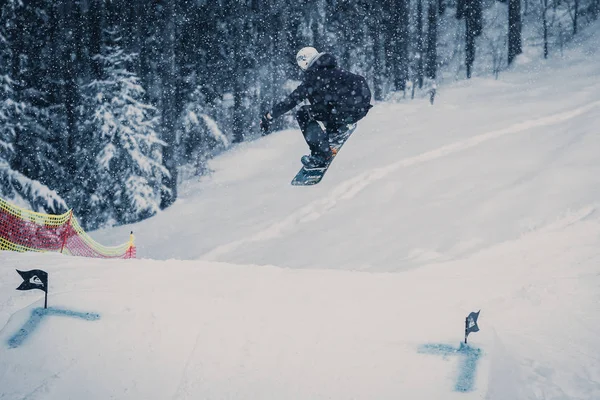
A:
34,279
471,323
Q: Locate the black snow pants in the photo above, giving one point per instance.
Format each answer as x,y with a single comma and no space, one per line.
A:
316,138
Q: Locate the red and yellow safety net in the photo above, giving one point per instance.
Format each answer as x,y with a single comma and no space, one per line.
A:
25,230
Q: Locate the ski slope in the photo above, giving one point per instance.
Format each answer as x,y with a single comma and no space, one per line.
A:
249,288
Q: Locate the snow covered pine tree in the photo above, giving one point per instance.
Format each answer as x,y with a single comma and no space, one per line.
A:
199,137
15,119
124,152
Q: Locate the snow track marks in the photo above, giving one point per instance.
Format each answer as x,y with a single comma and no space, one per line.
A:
351,187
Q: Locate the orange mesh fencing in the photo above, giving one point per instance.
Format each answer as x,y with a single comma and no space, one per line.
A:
25,230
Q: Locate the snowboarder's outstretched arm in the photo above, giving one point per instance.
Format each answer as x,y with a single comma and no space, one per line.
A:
294,98
291,101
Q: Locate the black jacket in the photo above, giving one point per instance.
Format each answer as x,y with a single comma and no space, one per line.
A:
329,89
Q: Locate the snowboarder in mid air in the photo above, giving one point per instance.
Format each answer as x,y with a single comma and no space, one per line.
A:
337,98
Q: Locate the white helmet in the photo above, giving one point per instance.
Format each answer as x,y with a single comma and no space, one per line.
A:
306,56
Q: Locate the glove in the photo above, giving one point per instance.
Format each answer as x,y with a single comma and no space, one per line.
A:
265,122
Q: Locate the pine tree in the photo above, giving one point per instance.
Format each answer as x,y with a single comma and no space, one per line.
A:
35,140
17,125
200,137
170,95
493,44
9,107
123,150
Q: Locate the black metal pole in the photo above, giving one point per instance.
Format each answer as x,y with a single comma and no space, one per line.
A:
466,328
46,295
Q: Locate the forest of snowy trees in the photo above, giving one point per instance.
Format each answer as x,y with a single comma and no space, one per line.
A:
105,103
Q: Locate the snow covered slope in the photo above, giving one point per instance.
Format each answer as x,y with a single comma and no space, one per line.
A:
356,288
415,184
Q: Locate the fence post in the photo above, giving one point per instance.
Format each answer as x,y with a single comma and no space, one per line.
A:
66,231
131,244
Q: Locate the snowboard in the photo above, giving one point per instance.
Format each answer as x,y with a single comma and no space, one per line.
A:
309,177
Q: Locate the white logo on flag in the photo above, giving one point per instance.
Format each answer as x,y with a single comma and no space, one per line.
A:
36,281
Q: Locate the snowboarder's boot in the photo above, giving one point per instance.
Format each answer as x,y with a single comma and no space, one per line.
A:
316,160
340,134
320,152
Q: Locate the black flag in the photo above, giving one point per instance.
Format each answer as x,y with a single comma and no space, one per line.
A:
34,279
471,324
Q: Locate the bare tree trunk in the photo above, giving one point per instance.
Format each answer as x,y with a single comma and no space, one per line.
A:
389,29
545,26
314,26
575,15
401,34
471,11
561,39
238,87
169,114
377,64
419,40
95,18
469,47
431,61
514,29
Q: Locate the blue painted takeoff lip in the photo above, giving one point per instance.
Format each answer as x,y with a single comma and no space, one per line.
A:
37,314
467,368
